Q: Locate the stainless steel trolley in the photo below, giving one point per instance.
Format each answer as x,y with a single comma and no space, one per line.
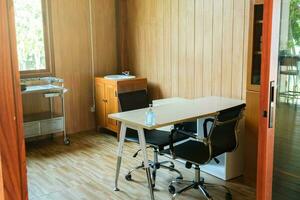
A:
49,122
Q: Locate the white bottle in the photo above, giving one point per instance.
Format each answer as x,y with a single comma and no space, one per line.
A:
150,116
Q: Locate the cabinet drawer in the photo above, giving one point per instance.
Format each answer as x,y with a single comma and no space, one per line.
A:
32,129
52,125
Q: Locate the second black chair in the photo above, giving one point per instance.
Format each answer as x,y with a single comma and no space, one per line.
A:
155,139
220,136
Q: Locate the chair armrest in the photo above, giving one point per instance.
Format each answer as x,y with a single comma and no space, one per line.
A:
211,120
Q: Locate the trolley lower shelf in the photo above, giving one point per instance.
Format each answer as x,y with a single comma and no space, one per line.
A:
44,123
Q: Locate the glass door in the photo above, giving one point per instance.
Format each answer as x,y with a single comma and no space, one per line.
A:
286,168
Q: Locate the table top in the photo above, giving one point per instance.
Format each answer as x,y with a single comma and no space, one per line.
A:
177,111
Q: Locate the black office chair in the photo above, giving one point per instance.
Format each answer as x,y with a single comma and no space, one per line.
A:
155,139
220,136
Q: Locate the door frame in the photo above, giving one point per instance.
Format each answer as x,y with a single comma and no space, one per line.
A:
269,67
13,177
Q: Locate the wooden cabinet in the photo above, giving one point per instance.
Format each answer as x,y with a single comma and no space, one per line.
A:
253,91
107,98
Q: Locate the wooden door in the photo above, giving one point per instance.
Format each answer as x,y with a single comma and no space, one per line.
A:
100,104
111,106
267,99
13,181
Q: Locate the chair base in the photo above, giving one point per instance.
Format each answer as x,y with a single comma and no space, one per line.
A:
197,184
155,165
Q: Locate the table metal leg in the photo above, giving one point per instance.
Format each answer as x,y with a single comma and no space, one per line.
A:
146,164
120,152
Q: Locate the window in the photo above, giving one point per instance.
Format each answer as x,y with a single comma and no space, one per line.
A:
32,36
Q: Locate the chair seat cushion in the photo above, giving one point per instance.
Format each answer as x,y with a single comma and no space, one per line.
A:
192,151
153,137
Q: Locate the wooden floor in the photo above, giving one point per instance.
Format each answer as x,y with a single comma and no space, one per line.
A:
286,179
86,168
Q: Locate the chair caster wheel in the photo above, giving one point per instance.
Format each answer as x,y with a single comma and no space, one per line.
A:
179,178
128,177
228,196
67,141
172,189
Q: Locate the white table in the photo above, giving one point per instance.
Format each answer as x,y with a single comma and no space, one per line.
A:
175,112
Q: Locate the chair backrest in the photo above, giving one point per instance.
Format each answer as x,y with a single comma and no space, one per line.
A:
223,136
133,100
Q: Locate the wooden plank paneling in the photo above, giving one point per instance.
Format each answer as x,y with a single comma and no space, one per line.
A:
227,48
217,49
174,46
104,37
40,104
190,51
121,13
247,33
72,54
186,48
158,48
167,68
199,40
207,52
205,40
182,47
207,48
238,44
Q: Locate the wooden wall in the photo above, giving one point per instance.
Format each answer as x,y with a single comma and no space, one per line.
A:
72,58
84,44
105,37
189,48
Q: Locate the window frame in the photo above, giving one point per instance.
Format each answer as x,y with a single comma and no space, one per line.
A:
47,45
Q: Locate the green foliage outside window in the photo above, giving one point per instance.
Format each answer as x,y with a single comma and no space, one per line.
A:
30,34
294,26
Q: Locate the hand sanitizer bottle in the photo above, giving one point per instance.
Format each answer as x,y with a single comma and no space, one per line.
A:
150,116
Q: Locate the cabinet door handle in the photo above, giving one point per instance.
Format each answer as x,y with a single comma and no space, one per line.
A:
104,100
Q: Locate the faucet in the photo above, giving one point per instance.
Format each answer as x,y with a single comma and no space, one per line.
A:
126,73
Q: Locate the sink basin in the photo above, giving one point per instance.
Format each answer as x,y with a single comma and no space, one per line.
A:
118,77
